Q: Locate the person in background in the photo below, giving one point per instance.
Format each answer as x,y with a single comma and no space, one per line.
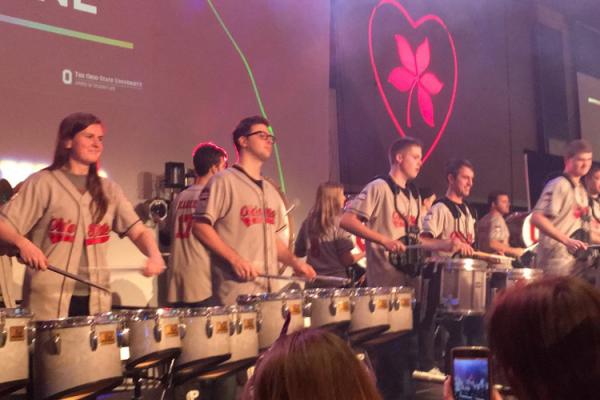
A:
328,247
492,232
63,215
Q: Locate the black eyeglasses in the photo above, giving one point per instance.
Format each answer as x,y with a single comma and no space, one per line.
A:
263,135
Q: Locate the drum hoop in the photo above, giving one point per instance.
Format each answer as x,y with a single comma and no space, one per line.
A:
15,313
370,291
203,311
241,309
147,314
460,263
70,322
327,292
402,289
262,297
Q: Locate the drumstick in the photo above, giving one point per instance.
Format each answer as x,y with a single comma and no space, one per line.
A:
483,254
332,279
78,278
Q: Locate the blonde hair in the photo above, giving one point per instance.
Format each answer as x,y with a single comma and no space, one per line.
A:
326,208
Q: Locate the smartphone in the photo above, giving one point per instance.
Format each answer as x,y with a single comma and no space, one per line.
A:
471,373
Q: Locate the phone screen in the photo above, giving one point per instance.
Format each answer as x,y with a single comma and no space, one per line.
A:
471,378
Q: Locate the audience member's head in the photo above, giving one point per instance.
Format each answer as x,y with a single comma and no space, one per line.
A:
545,337
310,364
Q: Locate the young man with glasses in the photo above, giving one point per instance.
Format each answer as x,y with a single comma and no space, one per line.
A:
237,218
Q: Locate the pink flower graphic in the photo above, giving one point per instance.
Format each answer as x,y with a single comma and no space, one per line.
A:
411,74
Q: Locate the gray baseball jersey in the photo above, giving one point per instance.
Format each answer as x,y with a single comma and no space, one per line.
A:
55,216
382,211
323,252
567,207
189,264
246,216
595,208
491,227
441,224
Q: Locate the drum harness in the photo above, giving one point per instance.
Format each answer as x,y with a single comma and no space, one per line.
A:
408,261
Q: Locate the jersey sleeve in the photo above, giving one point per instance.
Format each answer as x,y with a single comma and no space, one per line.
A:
366,203
27,207
433,222
125,216
553,197
214,200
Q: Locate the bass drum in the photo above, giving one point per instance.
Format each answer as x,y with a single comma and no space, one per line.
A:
522,231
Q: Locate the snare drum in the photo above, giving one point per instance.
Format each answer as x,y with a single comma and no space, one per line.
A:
501,278
76,357
328,307
244,337
370,309
206,340
463,286
14,348
272,309
153,336
402,300
525,275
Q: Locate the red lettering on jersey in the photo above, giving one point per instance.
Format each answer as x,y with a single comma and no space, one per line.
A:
251,215
460,236
183,226
187,204
61,230
399,222
579,211
97,234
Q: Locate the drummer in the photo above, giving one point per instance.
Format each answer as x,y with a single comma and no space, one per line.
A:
592,184
237,218
562,209
188,276
62,216
492,232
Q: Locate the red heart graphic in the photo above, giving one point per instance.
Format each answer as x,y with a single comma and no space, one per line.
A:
415,24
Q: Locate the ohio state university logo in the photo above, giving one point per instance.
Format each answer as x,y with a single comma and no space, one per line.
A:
251,215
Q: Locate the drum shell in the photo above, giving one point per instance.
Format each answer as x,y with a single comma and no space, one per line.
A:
14,355
401,309
328,307
244,336
523,274
143,341
369,309
463,290
271,315
197,344
76,363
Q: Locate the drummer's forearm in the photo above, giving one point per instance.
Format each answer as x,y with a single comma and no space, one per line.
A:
351,223
144,240
595,237
542,222
284,255
432,244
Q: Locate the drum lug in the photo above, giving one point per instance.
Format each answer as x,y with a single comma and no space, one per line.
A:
259,322
93,339
30,334
3,336
238,324
123,336
157,330
371,304
182,328
285,310
396,303
333,307
209,327
56,343
307,309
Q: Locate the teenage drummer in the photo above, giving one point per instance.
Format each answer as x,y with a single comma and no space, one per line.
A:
492,232
237,218
63,215
562,214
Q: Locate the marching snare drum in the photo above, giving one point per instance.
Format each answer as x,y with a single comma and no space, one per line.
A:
272,310
501,278
14,348
328,307
244,337
402,300
206,340
522,232
76,357
463,286
153,336
370,309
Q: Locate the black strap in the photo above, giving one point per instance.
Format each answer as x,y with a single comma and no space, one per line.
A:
411,192
455,208
568,180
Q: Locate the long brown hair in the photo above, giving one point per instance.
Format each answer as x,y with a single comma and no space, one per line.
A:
326,208
546,338
68,128
310,364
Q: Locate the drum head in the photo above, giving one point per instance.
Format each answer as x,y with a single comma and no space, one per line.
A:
152,359
195,368
9,387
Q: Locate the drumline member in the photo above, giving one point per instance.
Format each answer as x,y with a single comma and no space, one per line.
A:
62,216
451,218
492,232
388,209
188,276
562,209
326,245
592,184
238,216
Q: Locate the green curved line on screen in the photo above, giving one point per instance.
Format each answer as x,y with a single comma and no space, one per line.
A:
254,88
